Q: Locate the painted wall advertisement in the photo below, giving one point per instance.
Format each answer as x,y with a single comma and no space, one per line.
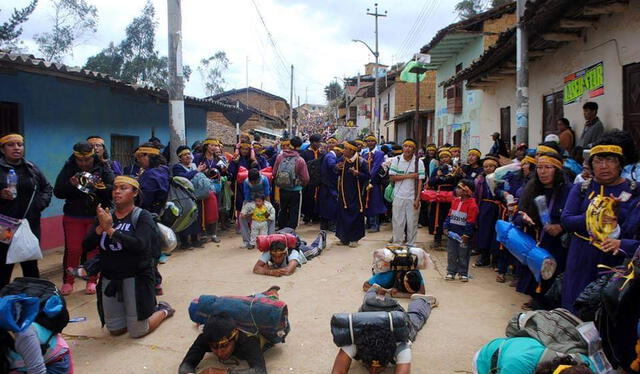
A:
589,80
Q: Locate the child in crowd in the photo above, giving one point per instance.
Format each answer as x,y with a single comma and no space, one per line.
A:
459,226
261,212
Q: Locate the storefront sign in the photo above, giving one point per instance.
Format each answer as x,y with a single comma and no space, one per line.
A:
589,80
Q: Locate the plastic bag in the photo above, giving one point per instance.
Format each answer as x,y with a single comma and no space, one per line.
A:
24,246
388,192
169,240
17,312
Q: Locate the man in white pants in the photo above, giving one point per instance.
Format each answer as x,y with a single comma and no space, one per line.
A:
407,172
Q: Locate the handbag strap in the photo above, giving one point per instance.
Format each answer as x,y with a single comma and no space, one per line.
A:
35,189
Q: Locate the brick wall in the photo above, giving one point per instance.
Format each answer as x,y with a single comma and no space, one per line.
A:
269,105
406,94
220,128
493,27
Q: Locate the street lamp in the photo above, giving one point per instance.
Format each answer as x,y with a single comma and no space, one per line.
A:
375,88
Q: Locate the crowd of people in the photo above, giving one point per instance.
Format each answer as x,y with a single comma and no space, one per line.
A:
584,217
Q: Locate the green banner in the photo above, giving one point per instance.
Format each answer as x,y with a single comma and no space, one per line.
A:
589,80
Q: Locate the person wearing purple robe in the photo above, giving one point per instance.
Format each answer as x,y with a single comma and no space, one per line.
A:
374,205
311,190
353,178
328,190
606,159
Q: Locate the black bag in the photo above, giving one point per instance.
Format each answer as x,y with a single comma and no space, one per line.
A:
43,290
590,300
553,297
314,166
345,326
403,261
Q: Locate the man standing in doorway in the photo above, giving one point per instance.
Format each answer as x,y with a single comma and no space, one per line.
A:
353,178
290,175
407,173
593,127
374,205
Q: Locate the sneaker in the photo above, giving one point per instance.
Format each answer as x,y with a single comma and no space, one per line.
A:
353,244
480,264
323,233
449,277
66,289
90,289
163,259
214,238
433,302
464,278
163,305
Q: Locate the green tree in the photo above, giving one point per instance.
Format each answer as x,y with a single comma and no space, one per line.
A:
11,29
333,91
468,8
136,59
72,20
497,3
211,71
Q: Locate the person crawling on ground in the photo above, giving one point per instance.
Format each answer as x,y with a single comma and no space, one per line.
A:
279,260
222,337
376,347
398,283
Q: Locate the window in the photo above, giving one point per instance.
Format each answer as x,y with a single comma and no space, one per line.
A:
122,148
505,126
385,112
9,117
353,112
454,99
440,137
552,111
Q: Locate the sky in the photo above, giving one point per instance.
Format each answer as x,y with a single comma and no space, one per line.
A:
313,35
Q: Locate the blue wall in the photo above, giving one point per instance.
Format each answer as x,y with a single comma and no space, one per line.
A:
55,113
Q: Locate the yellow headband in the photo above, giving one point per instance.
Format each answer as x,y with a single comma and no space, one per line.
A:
432,148
550,160
490,161
148,150
350,146
212,141
545,149
227,339
359,142
444,153
409,143
454,149
184,152
529,159
561,368
122,179
371,137
338,148
245,145
81,154
285,142
257,145
475,152
11,138
601,149
95,140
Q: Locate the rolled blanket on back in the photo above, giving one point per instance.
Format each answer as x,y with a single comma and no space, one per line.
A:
256,315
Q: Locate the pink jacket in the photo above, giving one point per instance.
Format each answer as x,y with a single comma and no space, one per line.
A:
301,166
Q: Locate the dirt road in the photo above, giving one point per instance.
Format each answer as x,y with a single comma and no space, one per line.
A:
469,314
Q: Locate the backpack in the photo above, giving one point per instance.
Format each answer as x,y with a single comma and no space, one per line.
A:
403,260
201,186
53,314
156,242
286,177
555,329
314,167
181,209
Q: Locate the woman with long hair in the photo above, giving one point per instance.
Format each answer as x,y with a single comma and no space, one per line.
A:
31,197
548,181
516,180
101,151
598,239
125,237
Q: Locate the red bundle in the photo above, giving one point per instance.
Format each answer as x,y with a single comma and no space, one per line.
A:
263,242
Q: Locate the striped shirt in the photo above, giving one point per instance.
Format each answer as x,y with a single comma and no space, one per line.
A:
405,189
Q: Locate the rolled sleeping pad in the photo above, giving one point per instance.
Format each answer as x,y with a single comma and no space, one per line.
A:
211,208
523,247
263,242
267,172
243,174
263,315
346,326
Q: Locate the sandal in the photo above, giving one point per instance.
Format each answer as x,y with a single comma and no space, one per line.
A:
90,289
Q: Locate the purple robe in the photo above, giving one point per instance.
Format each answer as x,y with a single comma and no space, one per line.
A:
351,200
375,196
328,191
154,184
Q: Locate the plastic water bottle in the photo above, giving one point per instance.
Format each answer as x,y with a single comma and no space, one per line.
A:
543,209
12,182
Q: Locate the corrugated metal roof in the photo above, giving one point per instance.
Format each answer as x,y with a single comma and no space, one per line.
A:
30,63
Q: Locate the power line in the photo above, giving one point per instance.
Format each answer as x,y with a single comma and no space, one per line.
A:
411,30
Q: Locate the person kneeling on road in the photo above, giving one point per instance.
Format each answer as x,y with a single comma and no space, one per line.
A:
279,260
377,347
398,283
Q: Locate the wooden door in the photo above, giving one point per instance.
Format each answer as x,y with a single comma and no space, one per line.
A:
440,137
552,111
457,138
505,126
631,101
9,118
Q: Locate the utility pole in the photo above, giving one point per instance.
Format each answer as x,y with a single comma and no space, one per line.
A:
176,78
291,105
247,62
376,120
522,78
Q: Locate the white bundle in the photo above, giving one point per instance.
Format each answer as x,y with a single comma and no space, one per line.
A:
382,258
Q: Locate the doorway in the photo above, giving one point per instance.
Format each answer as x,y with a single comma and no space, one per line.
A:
552,111
631,101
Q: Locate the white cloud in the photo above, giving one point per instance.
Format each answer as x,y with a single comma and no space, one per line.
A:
315,36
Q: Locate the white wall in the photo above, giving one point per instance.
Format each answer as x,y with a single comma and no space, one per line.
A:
388,96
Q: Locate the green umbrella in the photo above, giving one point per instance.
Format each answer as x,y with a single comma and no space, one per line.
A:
407,76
